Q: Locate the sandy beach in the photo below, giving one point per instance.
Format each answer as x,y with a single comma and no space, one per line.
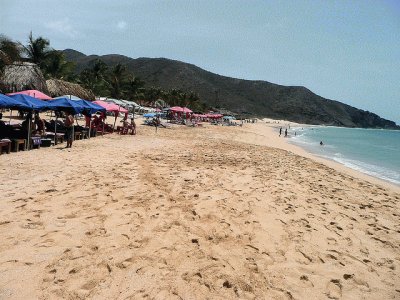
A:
209,212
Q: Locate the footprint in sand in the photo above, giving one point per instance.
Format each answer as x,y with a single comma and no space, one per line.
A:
334,289
306,281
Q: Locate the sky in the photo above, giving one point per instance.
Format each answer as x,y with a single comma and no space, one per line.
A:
346,50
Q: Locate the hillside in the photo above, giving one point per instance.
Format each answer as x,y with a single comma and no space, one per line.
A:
244,97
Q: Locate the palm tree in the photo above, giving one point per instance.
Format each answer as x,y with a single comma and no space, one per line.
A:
86,78
56,66
133,88
94,78
37,50
117,80
152,94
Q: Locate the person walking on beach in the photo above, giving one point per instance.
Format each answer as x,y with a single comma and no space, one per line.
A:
69,123
280,131
286,132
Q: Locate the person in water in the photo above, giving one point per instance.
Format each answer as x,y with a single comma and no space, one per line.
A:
321,143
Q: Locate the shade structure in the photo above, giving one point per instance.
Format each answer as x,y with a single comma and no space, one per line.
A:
90,107
93,108
8,102
111,107
31,103
33,93
65,104
70,97
186,110
151,115
176,109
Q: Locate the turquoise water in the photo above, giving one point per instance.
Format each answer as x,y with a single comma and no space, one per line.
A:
375,152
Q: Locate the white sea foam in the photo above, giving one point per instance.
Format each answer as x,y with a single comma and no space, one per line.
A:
373,152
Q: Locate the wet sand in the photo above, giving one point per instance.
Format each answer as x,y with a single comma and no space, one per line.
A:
194,213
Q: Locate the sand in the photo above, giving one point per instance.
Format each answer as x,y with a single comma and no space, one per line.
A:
194,213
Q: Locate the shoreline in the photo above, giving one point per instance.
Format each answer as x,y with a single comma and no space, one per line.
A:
273,140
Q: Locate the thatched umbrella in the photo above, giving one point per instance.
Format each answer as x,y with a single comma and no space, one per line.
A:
22,76
59,87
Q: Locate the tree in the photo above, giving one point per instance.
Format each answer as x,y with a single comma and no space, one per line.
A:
37,50
118,78
9,51
152,94
94,78
56,66
134,88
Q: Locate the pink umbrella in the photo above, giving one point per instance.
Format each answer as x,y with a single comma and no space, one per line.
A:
33,93
111,106
176,109
186,110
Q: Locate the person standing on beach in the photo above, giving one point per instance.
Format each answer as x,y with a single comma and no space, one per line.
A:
280,131
133,124
69,123
286,132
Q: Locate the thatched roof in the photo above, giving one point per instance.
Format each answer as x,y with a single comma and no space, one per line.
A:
58,87
22,76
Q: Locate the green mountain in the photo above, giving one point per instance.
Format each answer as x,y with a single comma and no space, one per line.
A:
244,97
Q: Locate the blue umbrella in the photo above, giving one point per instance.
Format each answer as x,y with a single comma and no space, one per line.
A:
151,115
93,107
31,103
66,104
8,102
90,107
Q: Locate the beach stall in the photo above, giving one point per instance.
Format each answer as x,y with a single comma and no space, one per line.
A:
111,107
90,108
31,104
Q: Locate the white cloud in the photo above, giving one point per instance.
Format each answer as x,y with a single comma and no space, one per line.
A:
63,26
121,25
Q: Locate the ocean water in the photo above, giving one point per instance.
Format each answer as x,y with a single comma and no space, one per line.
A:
375,152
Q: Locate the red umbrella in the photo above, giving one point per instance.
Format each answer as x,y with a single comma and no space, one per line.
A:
33,93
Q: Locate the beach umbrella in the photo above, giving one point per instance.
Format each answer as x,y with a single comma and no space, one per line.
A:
8,102
63,104
70,97
111,107
33,93
176,109
31,103
151,115
90,107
